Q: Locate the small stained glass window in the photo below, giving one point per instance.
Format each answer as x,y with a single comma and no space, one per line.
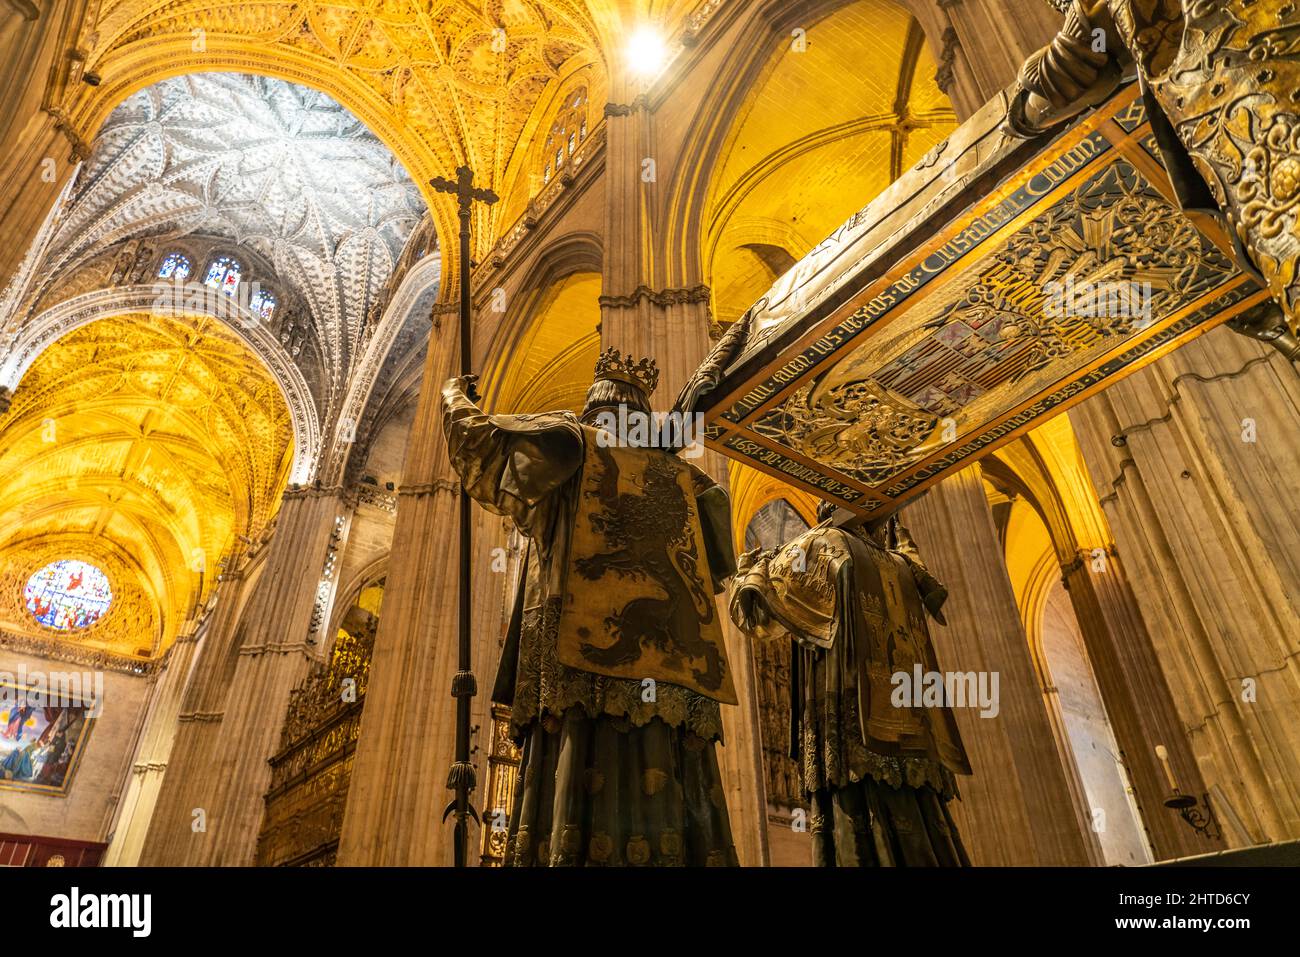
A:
68,595
263,304
567,131
176,266
224,274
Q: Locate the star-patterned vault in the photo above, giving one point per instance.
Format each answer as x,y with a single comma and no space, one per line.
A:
271,166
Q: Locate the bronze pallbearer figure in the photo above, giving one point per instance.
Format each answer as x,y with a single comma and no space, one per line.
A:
614,666
878,771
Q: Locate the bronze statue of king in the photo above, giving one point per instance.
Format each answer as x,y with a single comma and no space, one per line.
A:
614,666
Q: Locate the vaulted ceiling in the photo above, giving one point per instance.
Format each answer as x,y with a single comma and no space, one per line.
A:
869,108
442,82
271,166
144,445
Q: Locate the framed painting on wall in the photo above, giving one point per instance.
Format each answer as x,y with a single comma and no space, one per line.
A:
42,737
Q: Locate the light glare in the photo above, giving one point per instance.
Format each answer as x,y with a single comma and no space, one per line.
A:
646,52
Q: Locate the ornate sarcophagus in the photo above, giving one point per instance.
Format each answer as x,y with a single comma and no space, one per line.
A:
989,288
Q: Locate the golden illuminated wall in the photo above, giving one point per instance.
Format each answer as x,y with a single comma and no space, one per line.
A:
1050,515
563,121
552,366
143,445
841,111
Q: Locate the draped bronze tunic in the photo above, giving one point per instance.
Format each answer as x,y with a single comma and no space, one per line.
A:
614,665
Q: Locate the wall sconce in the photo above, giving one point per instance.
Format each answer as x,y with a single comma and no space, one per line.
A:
1188,806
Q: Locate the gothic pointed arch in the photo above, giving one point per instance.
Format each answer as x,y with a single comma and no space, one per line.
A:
734,185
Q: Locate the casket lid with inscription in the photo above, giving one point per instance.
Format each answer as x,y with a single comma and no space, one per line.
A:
990,287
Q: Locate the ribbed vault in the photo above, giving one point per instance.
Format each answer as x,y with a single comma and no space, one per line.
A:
869,108
145,445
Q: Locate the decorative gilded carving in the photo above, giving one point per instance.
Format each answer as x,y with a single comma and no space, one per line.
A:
499,798
665,297
996,283
1226,78
879,410
55,649
311,771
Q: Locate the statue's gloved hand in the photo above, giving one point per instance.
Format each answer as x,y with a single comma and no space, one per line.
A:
753,608
1079,69
748,609
747,560
932,591
464,384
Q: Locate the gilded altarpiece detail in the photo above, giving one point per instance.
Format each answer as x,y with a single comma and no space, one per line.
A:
503,770
311,771
782,772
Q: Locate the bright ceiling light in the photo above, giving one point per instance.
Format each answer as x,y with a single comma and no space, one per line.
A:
646,52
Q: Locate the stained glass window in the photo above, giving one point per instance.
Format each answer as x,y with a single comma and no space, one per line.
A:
223,274
68,595
175,266
262,303
568,130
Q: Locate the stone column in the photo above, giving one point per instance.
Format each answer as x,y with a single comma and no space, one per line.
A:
979,45
171,837
1017,807
1198,468
240,692
407,739
154,749
1137,699
41,151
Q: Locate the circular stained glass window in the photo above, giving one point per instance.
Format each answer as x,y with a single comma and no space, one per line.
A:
68,595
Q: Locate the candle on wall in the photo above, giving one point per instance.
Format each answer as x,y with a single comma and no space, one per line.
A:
1163,754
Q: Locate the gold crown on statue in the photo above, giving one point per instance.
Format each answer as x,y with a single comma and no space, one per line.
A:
612,364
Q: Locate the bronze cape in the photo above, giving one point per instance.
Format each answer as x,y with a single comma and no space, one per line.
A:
613,665
878,777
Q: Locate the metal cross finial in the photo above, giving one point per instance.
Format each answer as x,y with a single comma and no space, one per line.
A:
463,189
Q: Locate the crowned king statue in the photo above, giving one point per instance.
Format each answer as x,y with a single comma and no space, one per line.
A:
614,666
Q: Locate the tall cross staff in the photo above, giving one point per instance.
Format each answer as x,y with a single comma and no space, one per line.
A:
463,685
